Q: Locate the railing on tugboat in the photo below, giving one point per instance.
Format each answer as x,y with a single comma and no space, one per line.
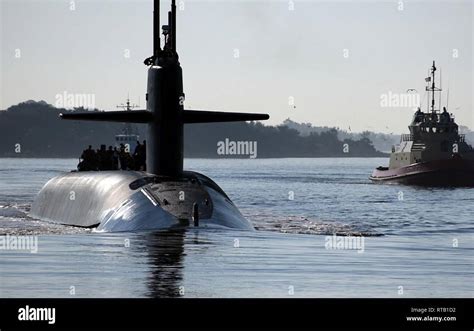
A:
406,137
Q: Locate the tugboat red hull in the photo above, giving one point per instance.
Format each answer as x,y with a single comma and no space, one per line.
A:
446,173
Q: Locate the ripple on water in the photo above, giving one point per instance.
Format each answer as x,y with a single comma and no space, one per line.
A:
303,225
14,220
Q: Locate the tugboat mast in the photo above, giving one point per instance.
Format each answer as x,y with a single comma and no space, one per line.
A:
127,107
433,69
433,88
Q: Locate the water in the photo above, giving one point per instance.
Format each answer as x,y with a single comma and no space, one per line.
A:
419,241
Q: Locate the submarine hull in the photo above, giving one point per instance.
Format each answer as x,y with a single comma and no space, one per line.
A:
114,201
441,173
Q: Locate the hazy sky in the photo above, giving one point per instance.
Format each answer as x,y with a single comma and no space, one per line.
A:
336,59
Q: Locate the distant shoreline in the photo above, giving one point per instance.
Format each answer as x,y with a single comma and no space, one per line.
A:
33,130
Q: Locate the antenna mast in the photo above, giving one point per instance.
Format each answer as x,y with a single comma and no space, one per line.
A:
440,88
447,101
156,28
169,31
433,88
173,25
127,129
433,69
127,106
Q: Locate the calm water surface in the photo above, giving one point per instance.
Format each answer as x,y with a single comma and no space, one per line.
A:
419,239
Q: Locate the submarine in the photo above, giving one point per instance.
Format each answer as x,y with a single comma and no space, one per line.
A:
164,196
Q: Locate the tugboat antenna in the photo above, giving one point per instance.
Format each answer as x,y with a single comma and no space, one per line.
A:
440,88
127,106
433,88
428,79
433,69
447,99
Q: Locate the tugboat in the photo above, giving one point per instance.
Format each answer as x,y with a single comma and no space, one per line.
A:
433,154
128,136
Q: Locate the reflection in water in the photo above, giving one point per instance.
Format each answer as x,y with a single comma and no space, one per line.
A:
165,250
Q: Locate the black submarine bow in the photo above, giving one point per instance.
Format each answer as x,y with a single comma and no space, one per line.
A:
165,113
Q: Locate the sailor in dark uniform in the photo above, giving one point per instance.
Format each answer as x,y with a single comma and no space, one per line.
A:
418,118
89,158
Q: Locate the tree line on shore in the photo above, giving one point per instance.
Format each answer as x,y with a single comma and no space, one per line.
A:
34,129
